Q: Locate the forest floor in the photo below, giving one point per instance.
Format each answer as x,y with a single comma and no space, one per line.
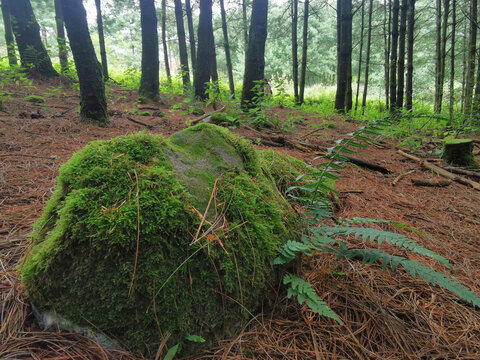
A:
387,315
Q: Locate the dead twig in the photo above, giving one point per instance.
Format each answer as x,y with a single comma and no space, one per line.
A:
140,122
395,181
196,121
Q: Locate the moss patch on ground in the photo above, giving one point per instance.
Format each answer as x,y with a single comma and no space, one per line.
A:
84,249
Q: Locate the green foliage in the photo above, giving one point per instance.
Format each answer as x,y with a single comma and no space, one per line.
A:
305,294
35,99
144,113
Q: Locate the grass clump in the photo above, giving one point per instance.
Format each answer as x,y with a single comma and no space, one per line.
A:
84,250
35,99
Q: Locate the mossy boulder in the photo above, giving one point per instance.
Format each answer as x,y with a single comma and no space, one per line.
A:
35,99
459,152
192,275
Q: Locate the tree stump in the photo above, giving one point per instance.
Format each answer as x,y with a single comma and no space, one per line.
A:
459,152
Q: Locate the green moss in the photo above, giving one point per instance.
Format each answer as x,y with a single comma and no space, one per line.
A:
145,113
84,245
459,152
196,111
35,99
142,100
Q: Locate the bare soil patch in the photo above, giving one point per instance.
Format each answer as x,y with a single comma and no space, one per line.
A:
386,315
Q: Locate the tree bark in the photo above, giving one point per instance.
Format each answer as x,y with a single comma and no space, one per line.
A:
245,25
255,58
164,41
33,55
438,53
294,13
470,75
9,40
303,68
452,61
343,96
191,35
182,44
387,40
101,40
393,56
367,60
149,81
62,46
226,46
93,105
205,50
362,25
401,55
410,41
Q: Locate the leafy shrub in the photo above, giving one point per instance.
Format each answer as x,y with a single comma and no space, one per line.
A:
35,99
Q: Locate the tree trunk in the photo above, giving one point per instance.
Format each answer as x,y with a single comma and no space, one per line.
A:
360,54
205,50
393,57
255,58
294,8
226,45
191,35
9,40
452,61
33,54
387,40
149,81
182,44
303,68
401,55
367,60
245,25
464,68
62,46
101,40
438,53
164,41
93,105
343,96
443,50
470,76
410,37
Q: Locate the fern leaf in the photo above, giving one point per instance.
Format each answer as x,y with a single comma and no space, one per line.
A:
305,293
290,250
414,269
390,238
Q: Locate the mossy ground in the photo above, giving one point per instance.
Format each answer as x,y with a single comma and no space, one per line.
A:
84,246
459,152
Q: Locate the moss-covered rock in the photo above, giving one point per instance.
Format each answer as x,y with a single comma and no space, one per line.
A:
35,99
206,282
459,152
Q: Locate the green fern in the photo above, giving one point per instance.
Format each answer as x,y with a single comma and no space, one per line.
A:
305,293
390,238
411,267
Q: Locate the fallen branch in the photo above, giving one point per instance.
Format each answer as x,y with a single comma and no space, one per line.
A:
455,170
263,141
442,172
196,121
139,122
426,182
394,182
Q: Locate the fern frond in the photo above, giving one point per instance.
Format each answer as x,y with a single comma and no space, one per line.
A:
305,293
390,238
413,268
290,250
359,220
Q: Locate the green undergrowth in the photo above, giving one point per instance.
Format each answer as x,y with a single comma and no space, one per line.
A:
179,274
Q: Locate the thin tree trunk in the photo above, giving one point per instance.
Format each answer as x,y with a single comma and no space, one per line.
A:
476,99
387,40
245,25
343,96
294,13
438,54
33,54
401,55
464,68
101,40
205,50
182,44
470,76
226,45
303,68
360,54
191,35
164,41
452,60
367,60
409,82
255,59
93,105
9,40
149,81
62,46
393,57
446,10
